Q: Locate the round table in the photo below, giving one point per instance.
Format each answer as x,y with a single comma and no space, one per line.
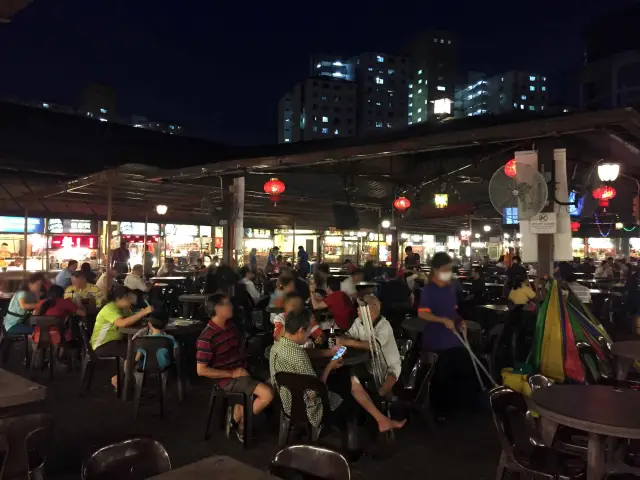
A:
597,409
626,352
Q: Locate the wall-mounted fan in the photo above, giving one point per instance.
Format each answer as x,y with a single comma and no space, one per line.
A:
523,188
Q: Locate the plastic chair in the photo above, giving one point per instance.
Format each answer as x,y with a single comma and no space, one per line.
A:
132,459
519,455
297,420
27,438
6,342
44,342
310,462
226,400
151,345
89,359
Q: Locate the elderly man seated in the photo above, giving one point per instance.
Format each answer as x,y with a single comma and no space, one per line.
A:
84,294
357,337
134,280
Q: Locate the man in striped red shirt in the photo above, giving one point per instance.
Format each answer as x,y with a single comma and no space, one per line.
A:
220,356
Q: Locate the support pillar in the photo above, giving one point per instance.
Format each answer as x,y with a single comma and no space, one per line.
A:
26,242
625,248
109,229
233,207
144,248
395,246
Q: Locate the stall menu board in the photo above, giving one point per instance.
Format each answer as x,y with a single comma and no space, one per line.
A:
63,225
137,228
257,233
186,230
16,225
73,241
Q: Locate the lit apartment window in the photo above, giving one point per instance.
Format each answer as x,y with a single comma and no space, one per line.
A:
522,107
411,85
318,65
315,129
411,105
420,90
542,107
287,140
523,97
435,40
532,108
419,110
325,130
103,110
532,88
325,119
389,125
335,132
380,59
390,71
419,72
515,105
370,69
45,105
544,79
378,124
411,114
419,81
449,42
419,119
442,40
441,88
426,102
410,122
532,78
411,95
378,103
544,89
379,80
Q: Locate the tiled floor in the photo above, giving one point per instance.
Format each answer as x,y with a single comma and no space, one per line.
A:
459,450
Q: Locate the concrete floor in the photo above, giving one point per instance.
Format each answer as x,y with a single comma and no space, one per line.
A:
456,450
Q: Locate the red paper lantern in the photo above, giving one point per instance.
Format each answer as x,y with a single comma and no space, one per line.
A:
575,226
274,188
510,168
401,204
604,194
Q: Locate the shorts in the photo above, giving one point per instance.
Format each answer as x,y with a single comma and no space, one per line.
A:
246,385
116,348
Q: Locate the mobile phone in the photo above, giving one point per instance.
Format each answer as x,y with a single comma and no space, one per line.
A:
339,353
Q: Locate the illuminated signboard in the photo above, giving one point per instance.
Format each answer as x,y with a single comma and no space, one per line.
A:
57,242
16,225
184,230
257,233
137,228
140,238
63,225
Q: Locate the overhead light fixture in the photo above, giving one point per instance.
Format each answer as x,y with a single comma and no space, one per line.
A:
608,172
441,200
619,225
506,235
161,209
486,228
518,235
477,235
385,224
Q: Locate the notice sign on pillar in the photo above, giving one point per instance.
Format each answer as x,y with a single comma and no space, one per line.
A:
544,223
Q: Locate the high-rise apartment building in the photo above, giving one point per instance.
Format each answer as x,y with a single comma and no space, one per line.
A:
382,91
163,126
318,107
507,92
98,101
611,72
432,77
346,97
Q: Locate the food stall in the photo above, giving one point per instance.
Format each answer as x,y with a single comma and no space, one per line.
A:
261,240
12,244
72,239
597,248
182,243
284,238
339,245
210,247
133,234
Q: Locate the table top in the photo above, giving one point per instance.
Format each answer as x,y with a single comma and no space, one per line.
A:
176,326
595,291
219,466
193,297
594,408
627,349
413,324
352,356
16,390
495,308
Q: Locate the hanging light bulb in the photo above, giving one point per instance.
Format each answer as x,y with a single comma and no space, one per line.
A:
486,228
608,172
161,209
441,200
510,168
385,224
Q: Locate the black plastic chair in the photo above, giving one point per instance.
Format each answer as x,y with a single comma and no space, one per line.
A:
298,420
133,459
226,400
519,455
27,438
310,462
89,359
44,342
6,342
151,345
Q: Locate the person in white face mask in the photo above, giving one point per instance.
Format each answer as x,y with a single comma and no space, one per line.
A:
454,383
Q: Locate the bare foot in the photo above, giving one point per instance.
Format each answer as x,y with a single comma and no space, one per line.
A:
389,424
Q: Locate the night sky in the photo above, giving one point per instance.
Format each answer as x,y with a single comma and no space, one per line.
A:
219,68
